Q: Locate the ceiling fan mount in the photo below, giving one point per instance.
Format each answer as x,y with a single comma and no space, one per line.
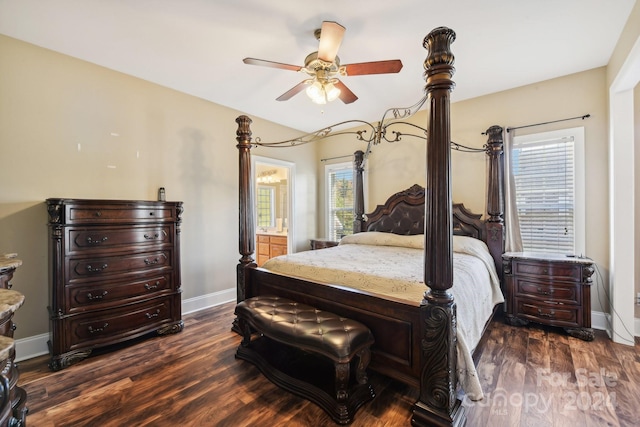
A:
324,68
315,66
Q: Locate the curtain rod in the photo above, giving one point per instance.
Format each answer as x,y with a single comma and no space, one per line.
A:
586,116
338,157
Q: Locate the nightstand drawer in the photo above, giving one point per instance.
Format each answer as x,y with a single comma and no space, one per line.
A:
568,294
547,269
560,316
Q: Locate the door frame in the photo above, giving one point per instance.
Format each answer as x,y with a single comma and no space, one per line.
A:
291,167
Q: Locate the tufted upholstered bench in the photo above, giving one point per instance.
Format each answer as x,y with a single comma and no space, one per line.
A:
312,331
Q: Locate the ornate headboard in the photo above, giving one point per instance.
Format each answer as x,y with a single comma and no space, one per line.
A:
403,213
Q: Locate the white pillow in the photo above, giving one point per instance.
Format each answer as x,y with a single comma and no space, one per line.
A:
379,238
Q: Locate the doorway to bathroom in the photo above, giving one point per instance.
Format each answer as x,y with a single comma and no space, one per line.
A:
273,189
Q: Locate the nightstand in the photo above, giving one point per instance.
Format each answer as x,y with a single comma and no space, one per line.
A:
550,289
322,243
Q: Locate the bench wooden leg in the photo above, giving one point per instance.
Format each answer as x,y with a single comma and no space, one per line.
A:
364,357
245,329
342,381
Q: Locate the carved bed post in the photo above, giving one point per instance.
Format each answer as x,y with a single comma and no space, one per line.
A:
437,404
495,195
358,189
246,242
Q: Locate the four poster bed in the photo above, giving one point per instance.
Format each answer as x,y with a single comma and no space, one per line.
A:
418,337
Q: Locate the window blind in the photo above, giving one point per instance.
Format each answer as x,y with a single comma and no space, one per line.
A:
340,201
544,173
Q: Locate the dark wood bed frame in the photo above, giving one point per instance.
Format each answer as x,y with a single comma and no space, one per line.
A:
415,343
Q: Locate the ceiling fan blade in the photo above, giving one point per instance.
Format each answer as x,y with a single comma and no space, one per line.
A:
331,35
262,62
293,91
346,95
378,67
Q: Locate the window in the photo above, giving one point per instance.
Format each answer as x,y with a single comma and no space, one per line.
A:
265,206
340,201
548,170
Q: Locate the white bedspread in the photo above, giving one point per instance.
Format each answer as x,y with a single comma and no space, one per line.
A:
393,266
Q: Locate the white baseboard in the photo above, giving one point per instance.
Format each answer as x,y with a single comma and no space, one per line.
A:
30,347
601,321
210,300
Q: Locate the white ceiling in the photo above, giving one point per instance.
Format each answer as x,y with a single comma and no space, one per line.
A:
197,46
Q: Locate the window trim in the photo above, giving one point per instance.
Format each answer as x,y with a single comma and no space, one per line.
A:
579,208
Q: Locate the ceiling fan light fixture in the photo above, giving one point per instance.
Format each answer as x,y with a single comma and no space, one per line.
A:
321,93
332,92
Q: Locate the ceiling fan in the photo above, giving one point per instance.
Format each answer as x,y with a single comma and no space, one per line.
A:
324,68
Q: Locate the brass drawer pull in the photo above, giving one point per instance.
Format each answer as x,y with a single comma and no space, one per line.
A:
96,242
542,291
92,269
97,330
545,271
92,297
151,287
151,261
550,314
152,315
98,214
155,236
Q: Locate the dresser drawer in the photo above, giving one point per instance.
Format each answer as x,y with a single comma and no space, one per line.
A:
103,238
119,324
118,214
101,267
555,270
105,294
561,315
566,294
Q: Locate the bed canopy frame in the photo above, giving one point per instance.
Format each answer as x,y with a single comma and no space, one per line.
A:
436,317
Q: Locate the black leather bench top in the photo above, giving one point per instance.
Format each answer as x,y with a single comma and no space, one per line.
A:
305,327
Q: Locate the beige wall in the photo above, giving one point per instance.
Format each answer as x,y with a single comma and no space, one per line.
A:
57,115
394,167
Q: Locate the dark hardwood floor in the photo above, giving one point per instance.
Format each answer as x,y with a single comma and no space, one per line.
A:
531,376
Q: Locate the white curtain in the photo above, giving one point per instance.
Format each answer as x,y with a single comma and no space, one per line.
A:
513,239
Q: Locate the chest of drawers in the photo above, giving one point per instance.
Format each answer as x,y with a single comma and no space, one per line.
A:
549,289
115,273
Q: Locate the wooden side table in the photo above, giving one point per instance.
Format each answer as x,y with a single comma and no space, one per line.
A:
319,243
550,289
